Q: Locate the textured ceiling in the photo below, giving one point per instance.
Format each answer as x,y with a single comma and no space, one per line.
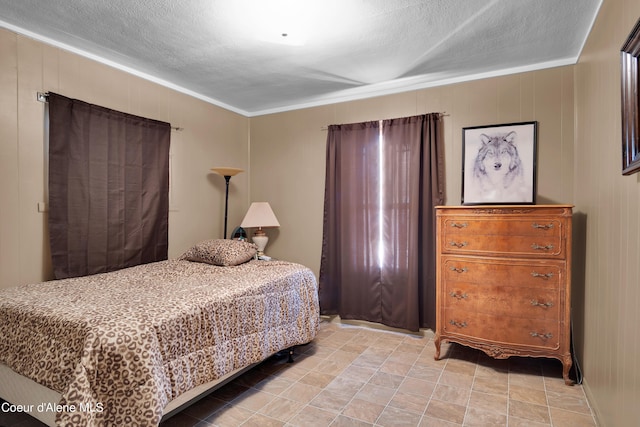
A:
230,52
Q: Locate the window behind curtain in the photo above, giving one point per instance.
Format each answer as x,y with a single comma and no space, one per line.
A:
108,188
378,257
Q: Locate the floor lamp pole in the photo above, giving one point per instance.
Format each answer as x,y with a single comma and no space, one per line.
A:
227,173
226,203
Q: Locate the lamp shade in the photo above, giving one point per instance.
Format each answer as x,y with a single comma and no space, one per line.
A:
259,215
225,171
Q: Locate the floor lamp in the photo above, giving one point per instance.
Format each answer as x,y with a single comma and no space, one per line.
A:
227,173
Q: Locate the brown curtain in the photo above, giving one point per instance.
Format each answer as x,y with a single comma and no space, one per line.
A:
378,248
108,188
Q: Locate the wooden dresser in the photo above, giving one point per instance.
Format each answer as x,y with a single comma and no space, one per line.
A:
504,280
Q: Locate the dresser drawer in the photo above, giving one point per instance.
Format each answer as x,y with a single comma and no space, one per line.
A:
508,236
506,226
525,273
511,246
502,330
505,300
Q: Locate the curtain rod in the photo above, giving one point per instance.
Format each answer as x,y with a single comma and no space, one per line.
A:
44,97
443,114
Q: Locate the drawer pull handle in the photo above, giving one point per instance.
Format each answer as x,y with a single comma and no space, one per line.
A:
459,224
458,244
544,276
458,296
535,302
542,226
541,248
459,270
458,324
543,336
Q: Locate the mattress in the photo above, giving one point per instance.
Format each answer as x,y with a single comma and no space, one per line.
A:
120,347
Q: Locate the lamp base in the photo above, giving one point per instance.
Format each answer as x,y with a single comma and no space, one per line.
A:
261,239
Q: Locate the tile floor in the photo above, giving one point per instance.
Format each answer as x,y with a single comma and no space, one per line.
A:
356,376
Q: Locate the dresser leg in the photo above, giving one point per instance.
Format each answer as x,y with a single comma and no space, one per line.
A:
567,362
436,341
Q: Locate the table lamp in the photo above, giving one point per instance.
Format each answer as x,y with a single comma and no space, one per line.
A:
258,216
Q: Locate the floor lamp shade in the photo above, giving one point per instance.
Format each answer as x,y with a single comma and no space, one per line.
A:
258,216
227,173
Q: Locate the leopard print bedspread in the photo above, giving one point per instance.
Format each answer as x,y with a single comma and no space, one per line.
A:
119,346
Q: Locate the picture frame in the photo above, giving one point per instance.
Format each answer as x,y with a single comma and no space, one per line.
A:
499,164
629,54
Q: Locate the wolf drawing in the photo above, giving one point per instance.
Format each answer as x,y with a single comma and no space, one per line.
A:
498,170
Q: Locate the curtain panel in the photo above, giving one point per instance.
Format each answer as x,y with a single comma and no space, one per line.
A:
383,180
108,188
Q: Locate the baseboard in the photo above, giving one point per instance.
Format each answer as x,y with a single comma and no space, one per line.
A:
592,402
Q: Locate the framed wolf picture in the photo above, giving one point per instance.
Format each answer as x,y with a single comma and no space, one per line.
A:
499,164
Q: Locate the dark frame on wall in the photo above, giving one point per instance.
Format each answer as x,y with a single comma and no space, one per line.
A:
629,81
499,164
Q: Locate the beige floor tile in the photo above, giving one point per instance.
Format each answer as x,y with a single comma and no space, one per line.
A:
455,379
491,385
386,380
310,416
329,401
492,402
395,417
363,410
281,409
563,418
526,394
230,416
411,402
317,379
259,420
343,356
436,422
522,422
417,386
346,386
463,367
376,394
447,393
396,366
359,373
476,417
331,367
426,373
274,384
529,411
569,402
293,373
253,399
446,411
344,421
370,360
533,381
301,392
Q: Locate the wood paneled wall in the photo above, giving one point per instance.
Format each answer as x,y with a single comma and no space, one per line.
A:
606,316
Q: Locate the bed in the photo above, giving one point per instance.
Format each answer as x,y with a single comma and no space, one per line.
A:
131,346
